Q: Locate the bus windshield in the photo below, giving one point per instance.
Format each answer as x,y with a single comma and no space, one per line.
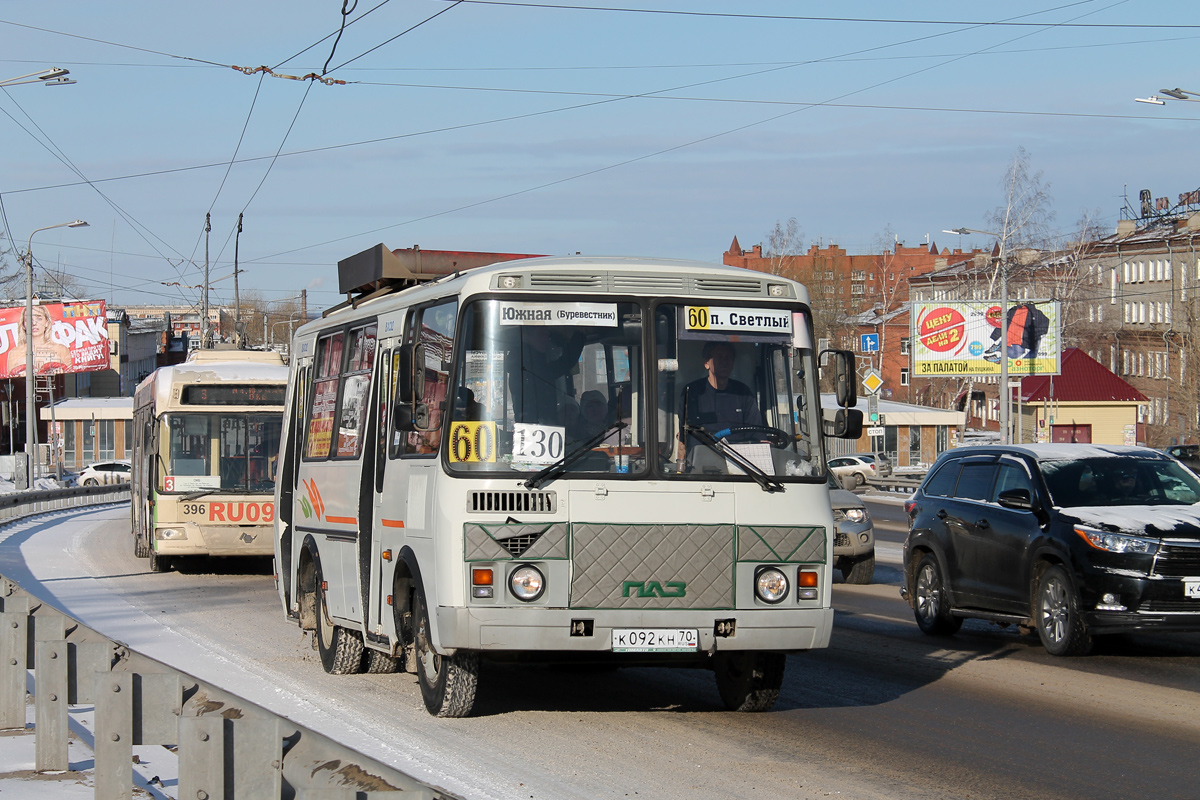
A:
539,380
736,392
220,452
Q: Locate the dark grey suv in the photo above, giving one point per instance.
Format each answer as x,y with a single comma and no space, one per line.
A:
1073,540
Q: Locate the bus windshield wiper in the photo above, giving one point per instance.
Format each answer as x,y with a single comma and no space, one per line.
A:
558,467
769,483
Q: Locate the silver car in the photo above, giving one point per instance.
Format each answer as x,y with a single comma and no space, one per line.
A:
854,537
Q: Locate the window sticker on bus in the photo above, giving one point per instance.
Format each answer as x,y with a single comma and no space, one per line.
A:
537,444
354,404
473,442
190,483
749,320
320,424
602,315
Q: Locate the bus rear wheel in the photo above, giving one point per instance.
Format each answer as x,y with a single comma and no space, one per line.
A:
340,648
749,681
448,683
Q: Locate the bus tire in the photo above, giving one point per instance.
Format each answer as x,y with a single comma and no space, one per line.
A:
448,683
141,546
749,681
377,662
341,649
159,563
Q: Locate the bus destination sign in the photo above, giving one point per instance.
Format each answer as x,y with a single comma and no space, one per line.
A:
234,394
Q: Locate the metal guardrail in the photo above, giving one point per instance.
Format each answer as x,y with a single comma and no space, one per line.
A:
18,505
227,747
904,482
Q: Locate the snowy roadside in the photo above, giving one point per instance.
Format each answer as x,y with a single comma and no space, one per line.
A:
155,773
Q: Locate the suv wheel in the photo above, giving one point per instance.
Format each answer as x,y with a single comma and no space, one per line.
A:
1056,614
931,604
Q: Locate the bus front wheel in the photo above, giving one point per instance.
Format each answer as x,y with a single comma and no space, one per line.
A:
448,683
340,648
749,681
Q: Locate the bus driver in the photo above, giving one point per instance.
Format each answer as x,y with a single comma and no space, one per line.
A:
717,402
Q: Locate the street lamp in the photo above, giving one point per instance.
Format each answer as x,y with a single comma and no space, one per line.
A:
30,401
1005,392
1174,94
48,77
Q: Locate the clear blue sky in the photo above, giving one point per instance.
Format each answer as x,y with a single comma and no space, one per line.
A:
563,129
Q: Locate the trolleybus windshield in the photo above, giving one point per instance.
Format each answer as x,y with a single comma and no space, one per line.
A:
221,452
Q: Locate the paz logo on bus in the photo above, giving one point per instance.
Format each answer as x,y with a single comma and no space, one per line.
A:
654,589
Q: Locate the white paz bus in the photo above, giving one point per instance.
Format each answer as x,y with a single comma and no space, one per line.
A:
560,459
205,451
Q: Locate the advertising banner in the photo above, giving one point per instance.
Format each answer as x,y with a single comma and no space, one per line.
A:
67,337
967,338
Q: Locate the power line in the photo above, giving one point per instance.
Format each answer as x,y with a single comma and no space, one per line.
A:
454,4
806,18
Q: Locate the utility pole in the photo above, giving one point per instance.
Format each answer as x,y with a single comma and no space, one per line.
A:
304,305
237,298
204,304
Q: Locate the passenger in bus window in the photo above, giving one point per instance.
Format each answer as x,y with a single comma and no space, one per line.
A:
717,402
546,355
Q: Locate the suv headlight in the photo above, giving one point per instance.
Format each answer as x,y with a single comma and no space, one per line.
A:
1117,542
855,514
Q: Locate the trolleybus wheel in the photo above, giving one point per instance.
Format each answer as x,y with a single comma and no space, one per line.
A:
448,683
749,681
141,546
340,648
159,563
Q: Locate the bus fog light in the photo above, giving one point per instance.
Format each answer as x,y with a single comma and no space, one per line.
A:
527,583
169,533
770,585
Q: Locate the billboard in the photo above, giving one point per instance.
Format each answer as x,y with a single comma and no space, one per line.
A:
67,337
967,338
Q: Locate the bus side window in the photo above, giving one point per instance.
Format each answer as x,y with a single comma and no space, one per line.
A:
318,434
434,328
355,392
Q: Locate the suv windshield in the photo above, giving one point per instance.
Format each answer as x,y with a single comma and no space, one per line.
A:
1124,481
538,380
736,392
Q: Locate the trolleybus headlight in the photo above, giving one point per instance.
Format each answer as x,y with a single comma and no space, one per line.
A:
527,583
169,533
770,585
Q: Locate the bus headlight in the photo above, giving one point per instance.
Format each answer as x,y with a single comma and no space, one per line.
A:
169,533
527,583
770,585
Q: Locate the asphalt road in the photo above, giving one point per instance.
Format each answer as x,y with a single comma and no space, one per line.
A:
884,712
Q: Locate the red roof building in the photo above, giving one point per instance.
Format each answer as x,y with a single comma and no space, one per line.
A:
1086,403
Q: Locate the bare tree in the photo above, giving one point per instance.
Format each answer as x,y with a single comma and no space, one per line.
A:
267,321
784,243
1024,220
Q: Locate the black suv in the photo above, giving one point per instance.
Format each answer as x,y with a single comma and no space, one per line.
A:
1070,539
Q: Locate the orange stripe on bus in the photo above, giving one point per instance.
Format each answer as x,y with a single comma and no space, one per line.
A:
392,523
341,520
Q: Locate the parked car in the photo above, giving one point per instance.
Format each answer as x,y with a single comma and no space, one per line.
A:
1072,540
1187,454
883,464
854,535
104,472
853,471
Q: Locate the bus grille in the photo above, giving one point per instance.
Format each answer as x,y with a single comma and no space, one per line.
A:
512,502
1178,560
572,281
651,566
663,284
728,286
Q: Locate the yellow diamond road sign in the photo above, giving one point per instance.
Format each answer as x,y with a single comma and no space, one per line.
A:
872,382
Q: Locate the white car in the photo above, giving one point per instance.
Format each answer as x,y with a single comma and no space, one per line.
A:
116,471
852,471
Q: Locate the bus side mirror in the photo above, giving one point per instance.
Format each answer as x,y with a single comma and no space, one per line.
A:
402,417
403,369
842,423
845,378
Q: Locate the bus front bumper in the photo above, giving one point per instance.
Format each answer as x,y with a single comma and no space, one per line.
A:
190,539
590,631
